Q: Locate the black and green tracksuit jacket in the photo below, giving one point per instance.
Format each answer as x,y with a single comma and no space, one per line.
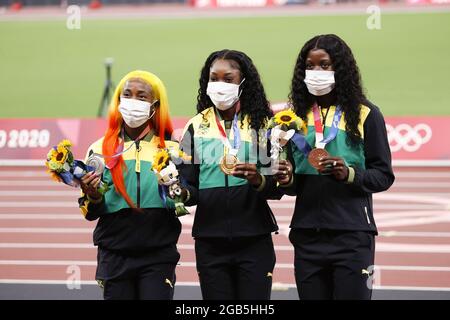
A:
120,227
325,203
226,206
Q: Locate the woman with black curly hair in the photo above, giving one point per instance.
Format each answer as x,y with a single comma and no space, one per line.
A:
233,222
333,227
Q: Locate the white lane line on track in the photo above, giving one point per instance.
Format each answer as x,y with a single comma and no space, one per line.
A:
434,198
22,183
408,206
377,206
33,245
380,247
444,204
37,204
444,198
73,204
281,205
40,216
23,174
421,175
386,234
406,288
390,215
413,268
275,286
417,234
46,230
411,247
65,216
421,185
191,264
47,245
59,230
36,281
37,193
399,174
413,221
48,262
408,184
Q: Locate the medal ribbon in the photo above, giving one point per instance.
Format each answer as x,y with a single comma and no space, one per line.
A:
236,135
119,151
320,141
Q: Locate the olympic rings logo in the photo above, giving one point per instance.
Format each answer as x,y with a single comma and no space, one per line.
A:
408,138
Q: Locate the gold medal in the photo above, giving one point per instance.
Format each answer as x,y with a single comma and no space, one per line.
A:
315,155
227,163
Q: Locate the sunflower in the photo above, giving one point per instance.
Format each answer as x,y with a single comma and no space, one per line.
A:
301,125
57,157
285,117
65,143
160,160
51,162
61,155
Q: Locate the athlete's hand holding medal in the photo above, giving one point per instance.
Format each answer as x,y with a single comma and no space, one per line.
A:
334,166
283,127
168,177
229,163
62,166
225,96
318,157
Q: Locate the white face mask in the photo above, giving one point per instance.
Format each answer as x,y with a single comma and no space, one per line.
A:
135,112
319,82
223,94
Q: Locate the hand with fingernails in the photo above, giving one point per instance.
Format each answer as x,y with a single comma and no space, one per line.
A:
89,184
247,171
334,166
283,172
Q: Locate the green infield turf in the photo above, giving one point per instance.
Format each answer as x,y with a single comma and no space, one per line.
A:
47,70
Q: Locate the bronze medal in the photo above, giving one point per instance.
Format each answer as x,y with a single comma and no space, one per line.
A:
227,163
315,155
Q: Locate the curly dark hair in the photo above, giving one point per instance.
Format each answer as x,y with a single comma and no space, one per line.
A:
253,98
348,85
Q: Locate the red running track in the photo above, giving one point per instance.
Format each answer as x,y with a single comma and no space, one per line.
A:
44,238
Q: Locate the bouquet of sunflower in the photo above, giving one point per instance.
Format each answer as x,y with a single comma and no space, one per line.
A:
168,178
62,166
284,126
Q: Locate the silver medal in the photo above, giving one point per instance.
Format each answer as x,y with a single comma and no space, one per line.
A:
97,163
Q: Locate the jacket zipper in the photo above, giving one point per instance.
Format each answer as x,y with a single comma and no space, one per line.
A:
367,215
138,175
227,189
227,209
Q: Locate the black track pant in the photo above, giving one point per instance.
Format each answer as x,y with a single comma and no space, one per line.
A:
333,264
148,275
235,269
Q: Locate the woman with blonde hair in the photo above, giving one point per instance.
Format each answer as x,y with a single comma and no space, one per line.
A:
136,233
